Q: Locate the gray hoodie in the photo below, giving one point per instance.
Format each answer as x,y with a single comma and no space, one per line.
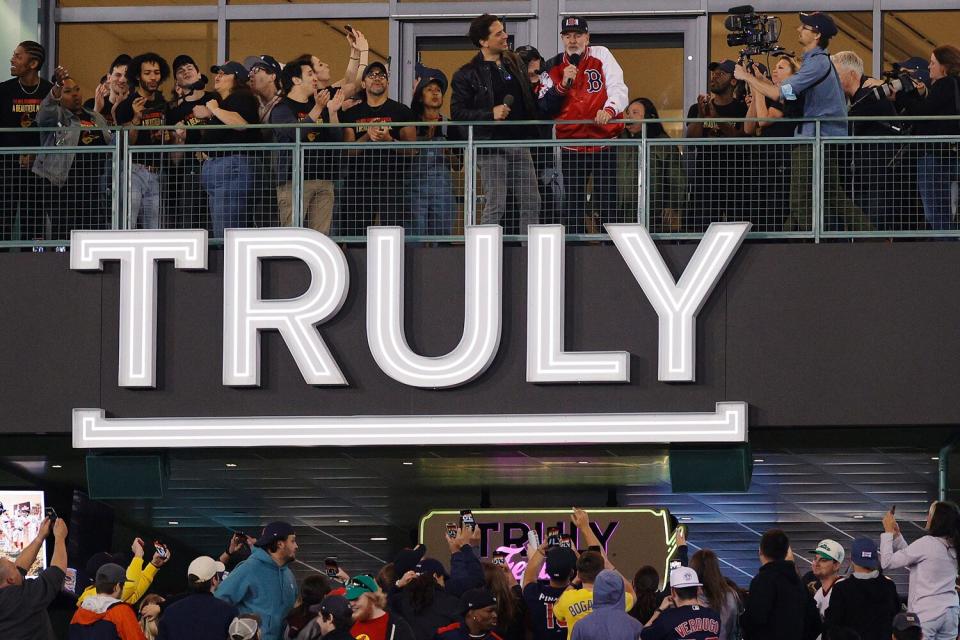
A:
609,619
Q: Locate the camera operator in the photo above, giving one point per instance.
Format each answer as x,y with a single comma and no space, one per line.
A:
937,164
871,179
817,85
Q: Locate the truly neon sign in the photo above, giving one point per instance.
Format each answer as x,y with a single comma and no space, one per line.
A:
246,315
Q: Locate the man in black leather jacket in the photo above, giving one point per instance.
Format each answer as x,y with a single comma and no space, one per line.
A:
494,86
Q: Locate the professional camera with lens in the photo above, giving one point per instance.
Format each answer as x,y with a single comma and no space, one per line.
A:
755,32
897,80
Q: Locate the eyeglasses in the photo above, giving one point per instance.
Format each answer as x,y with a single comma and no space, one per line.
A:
377,75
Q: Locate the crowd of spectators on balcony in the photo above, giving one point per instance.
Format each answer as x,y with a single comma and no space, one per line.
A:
353,176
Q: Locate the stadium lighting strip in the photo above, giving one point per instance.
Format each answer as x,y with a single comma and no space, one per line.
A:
138,253
728,423
678,303
246,314
482,319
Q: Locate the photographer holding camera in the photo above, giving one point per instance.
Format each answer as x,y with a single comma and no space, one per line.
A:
817,86
937,164
872,182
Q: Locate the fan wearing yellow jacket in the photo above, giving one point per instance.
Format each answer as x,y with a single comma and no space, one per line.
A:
139,576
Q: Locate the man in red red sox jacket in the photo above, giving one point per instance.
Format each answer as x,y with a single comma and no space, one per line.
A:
591,83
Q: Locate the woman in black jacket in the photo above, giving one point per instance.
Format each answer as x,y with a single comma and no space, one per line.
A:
937,164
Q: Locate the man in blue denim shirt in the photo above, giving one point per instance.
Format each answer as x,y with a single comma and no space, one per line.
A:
818,85
816,82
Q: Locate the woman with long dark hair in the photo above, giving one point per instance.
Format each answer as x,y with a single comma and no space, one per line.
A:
510,606
717,592
932,563
937,164
646,584
667,183
228,175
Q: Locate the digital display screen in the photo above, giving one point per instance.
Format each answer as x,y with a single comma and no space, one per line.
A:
21,514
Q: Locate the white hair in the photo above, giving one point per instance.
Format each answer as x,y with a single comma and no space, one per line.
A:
847,61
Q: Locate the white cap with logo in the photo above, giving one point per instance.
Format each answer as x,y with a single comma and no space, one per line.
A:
205,568
830,549
683,577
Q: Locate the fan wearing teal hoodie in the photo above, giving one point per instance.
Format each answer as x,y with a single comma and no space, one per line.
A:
263,584
609,619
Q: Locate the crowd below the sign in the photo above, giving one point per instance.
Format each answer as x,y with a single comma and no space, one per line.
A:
249,592
872,186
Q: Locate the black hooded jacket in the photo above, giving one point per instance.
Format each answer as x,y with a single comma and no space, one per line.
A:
866,606
778,606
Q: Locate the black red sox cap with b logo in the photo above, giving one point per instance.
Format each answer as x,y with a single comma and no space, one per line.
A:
573,23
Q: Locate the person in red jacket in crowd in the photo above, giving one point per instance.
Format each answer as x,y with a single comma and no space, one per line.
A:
590,81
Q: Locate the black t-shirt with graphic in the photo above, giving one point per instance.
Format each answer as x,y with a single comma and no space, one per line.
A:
379,159
540,598
87,166
154,115
319,164
244,104
18,110
181,112
106,111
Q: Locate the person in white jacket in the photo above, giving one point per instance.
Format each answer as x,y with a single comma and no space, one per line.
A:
932,562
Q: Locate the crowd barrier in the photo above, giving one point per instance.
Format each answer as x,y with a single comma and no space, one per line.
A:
800,187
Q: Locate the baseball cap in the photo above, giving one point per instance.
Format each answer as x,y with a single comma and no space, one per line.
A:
727,66
204,568
231,68
181,60
374,65
561,562
265,62
863,553
906,620
683,577
829,549
243,629
820,21
573,23
478,599
408,559
360,585
429,565
274,531
919,67
336,606
111,573
428,75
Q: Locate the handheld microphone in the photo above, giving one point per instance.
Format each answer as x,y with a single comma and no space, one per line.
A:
574,60
508,100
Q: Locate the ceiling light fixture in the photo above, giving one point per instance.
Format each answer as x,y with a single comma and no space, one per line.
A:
56,466
583,462
686,518
378,539
935,458
758,460
408,464
174,522
858,517
231,465
343,521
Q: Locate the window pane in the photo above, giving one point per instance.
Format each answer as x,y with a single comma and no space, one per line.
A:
129,3
907,34
87,49
326,39
855,34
